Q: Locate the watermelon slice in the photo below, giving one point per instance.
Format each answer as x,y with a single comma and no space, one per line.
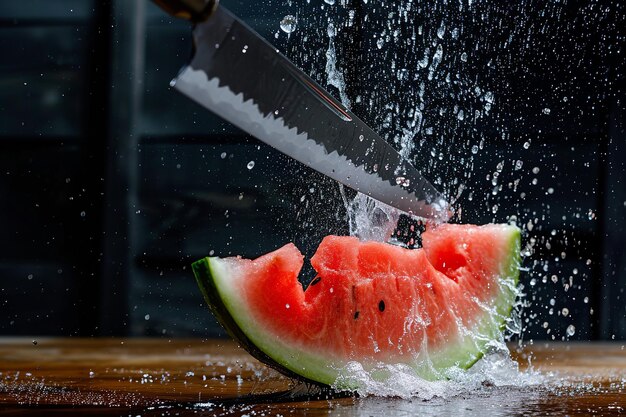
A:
435,309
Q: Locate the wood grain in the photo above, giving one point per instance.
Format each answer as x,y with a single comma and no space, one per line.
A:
215,377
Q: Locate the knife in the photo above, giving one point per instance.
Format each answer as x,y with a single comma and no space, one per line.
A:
241,77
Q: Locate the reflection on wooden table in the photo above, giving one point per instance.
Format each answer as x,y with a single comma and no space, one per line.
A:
215,377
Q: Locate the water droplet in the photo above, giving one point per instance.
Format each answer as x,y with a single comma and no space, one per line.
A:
423,63
464,57
287,306
223,155
250,165
35,342
526,145
146,317
571,330
331,30
475,149
565,312
83,214
380,43
546,111
331,2
434,63
288,24
441,31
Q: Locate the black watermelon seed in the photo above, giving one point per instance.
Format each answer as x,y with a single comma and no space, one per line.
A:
381,306
316,280
356,315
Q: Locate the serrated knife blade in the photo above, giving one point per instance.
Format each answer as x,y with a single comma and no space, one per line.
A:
241,77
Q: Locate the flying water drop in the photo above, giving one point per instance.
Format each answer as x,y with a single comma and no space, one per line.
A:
288,24
571,330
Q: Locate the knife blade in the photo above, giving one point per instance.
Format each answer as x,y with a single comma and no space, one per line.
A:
241,77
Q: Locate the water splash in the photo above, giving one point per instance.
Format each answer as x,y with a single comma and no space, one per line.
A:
369,219
334,75
496,369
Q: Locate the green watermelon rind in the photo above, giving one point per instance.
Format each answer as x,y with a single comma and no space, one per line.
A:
291,362
214,279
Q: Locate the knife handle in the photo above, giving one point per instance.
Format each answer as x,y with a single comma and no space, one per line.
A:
192,10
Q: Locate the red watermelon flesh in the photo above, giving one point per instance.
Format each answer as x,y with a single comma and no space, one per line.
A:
433,308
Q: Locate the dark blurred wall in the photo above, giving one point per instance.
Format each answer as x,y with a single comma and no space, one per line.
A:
50,207
111,183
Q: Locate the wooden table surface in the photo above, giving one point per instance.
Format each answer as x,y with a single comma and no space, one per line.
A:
146,377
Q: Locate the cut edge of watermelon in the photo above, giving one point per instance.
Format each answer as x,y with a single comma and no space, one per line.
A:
214,275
